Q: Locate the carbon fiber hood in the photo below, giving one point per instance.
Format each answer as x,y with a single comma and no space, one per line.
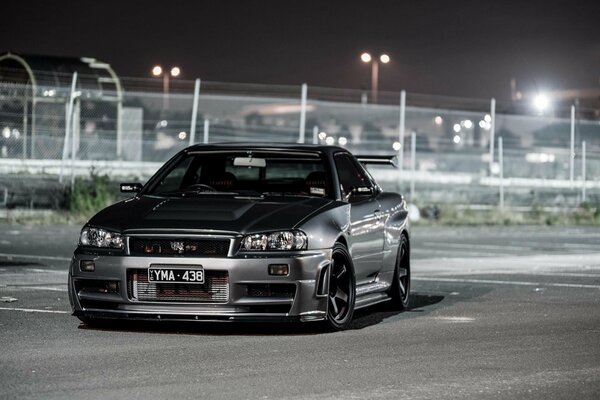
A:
210,212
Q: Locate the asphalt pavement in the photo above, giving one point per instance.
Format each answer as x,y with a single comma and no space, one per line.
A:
497,312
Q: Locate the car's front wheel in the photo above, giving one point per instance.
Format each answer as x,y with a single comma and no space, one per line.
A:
342,289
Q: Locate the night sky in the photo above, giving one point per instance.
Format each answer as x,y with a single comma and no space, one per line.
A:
457,48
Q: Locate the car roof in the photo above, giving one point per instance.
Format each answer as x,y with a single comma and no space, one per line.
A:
266,146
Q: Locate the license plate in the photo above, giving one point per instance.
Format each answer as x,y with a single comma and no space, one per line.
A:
176,274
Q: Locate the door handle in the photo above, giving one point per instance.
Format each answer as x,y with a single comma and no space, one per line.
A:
378,214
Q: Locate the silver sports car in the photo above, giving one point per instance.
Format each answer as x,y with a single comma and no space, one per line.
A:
246,232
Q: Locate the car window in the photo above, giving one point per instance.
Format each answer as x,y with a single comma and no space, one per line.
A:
173,180
282,173
350,176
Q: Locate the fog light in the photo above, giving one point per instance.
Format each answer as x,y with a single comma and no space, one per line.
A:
112,287
87,266
279,269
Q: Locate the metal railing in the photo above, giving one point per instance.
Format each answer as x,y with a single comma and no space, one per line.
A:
450,149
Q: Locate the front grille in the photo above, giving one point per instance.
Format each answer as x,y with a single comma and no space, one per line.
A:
214,290
179,247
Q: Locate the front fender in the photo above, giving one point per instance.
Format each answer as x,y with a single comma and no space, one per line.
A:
324,228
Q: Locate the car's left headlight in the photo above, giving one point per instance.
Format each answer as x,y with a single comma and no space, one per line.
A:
281,240
100,238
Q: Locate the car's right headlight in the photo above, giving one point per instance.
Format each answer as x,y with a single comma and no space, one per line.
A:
281,240
97,237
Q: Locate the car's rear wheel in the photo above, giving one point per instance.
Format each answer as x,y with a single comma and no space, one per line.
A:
400,291
342,289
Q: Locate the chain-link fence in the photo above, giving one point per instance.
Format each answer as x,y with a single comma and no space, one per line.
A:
449,148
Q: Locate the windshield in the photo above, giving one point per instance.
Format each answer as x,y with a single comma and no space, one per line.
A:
245,173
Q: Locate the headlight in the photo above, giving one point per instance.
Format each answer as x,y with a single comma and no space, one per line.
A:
100,238
283,240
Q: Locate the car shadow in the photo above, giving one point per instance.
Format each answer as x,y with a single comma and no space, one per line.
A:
362,318
419,302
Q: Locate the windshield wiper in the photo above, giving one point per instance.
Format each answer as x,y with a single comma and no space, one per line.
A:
295,194
184,192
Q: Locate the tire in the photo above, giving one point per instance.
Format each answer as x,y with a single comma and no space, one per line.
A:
342,289
400,290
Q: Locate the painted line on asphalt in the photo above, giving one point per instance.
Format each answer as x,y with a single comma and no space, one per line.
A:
475,246
33,257
33,310
51,289
518,283
454,319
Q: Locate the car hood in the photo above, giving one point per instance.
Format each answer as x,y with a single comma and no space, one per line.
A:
209,212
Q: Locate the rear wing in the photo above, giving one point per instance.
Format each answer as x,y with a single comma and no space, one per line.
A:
381,160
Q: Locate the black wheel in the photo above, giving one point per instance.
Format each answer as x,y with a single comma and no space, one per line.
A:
342,289
400,290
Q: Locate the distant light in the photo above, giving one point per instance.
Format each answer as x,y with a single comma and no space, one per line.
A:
175,71
6,132
456,139
487,118
485,125
495,168
157,70
322,135
384,58
365,57
330,140
163,123
342,141
456,128
397,146
16,133
182,135
438,120
541,102
540,158
467,123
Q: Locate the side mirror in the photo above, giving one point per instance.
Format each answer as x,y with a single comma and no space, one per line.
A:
358,191
130,187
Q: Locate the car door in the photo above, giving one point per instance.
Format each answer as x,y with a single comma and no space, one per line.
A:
365,235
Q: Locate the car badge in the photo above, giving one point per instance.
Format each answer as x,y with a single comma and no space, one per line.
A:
177,246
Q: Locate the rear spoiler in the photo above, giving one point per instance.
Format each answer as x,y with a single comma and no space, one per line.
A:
381,160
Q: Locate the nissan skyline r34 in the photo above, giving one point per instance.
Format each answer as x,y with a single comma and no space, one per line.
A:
246,232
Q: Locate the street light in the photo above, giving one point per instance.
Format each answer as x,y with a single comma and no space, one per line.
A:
157,71
366,58
541,102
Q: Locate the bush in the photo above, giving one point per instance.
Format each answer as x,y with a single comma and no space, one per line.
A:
88,196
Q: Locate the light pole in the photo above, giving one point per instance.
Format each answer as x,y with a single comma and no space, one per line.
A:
366,58
157,71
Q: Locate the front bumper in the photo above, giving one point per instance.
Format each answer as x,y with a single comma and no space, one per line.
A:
306,299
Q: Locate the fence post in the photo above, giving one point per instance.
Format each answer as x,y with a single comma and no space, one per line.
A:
315,134
401,130
25,113
68,118
572,154
501,162
583,171
206,127
302,128
413,164
75,134
492,131
194,112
